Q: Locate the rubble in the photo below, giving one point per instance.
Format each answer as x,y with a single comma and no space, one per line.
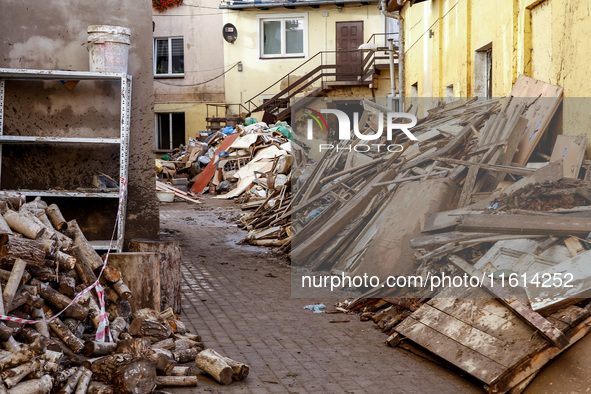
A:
507,221
53,327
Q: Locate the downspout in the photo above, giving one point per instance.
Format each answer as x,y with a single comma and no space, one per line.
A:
400,51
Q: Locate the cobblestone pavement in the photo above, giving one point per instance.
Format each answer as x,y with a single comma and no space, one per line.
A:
237,297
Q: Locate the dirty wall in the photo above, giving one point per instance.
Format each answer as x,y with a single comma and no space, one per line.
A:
52,35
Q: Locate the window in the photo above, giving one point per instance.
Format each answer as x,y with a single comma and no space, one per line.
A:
169,56
283,35
483,72
170,130
449,93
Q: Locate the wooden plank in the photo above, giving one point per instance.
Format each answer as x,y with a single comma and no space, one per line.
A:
574,246
493,167
436,240
525,224
542,100
473,363
499,350
209,171
572,150
532,318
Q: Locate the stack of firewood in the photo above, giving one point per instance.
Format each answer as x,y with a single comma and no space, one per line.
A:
45,263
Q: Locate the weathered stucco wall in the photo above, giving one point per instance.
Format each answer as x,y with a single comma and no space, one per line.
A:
200,25
52,35
543,39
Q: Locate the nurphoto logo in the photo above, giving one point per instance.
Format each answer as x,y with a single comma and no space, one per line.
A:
394,121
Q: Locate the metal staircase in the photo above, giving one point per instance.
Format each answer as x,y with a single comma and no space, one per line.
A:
321,74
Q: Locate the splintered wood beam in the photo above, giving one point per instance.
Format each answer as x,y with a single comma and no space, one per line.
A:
525,224
525,313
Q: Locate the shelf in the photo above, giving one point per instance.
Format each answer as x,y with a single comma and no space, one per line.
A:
17,139
14,73
122,141
64,193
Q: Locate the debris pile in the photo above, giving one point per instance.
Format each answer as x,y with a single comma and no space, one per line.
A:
53,330
463,202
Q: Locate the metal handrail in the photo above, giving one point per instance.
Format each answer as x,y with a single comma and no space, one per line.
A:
277,100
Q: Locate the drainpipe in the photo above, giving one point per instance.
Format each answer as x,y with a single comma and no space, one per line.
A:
400,51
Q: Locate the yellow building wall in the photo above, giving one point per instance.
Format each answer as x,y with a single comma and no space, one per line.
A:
543,39
195,114
258,74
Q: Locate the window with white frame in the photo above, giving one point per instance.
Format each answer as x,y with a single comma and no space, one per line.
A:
170,130
283,35
169,56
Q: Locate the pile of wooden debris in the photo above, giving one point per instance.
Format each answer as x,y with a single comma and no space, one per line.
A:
47,267
463,201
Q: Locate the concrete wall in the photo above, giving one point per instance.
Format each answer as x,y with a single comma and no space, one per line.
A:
200,25
258,74
543,39
52,35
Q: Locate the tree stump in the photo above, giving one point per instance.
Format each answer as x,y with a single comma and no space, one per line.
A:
170,269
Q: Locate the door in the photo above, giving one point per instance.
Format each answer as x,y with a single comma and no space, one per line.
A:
349,35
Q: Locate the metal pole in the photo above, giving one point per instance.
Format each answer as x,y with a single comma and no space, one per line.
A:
391,56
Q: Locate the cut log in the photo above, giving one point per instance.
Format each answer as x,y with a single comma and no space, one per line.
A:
30,250
86,249
180,371
212,363
126,373
65,261
13,376
67,285
4,227
51,247
149,328
64,333
176,381
163,365
33,386
13,282
24,225
170,269
111,274
141,273
72,382
26,353
99,388
117,327
123,291
52,357
241,370
94,348
60,301
167,314
56,218
84,381
186,355
83,266
5,332
41,327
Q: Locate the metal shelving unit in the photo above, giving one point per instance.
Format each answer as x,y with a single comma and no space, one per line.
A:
122,141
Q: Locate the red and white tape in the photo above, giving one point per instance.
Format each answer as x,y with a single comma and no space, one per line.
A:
103,327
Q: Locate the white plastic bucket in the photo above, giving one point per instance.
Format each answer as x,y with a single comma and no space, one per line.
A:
108,48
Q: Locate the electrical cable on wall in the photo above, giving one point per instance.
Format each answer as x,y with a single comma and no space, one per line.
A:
198,83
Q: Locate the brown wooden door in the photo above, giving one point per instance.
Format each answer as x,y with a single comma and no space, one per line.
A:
349,37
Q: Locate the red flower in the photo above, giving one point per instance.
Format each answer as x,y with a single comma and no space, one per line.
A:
163,5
